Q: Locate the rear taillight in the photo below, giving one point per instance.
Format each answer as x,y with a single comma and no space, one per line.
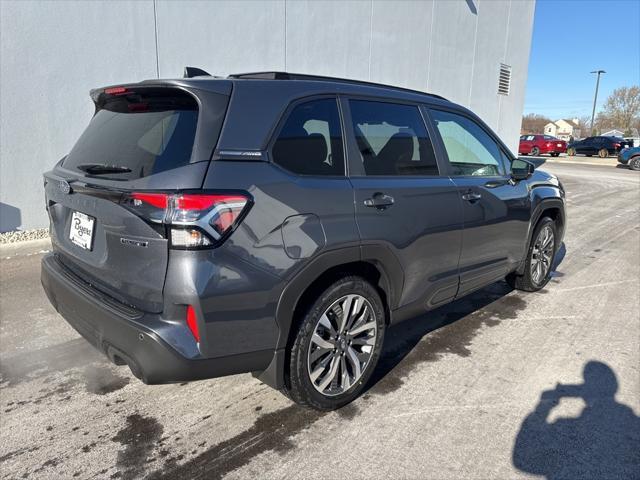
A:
548,145
616,145
194,220
151,206
192,323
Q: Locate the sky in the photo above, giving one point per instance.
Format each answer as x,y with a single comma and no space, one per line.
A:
572,38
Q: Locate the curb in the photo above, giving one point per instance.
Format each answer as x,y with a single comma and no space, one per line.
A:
580,162
25,248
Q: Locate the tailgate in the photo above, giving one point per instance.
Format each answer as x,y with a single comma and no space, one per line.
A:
141,140
112,248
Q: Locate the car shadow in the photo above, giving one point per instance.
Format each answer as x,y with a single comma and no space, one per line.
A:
449,329
602,442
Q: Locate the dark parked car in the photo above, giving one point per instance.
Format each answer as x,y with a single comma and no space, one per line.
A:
278,224
630,157
601,146
540,144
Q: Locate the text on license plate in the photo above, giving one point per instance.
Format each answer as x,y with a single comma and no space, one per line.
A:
81,231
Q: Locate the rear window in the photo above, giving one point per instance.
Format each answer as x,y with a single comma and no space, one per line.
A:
136,134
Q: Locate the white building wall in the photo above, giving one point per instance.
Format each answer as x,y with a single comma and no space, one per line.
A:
53,52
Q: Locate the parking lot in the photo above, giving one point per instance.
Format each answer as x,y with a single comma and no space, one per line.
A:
459,393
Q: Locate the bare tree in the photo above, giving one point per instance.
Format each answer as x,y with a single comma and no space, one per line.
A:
584,125
636,125
622,108
534,123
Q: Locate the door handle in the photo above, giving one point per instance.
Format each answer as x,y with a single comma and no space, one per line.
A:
471,196
379,201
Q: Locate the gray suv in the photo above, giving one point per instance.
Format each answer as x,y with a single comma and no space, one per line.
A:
278,223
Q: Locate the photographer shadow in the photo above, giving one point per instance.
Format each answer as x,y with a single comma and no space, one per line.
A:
603,442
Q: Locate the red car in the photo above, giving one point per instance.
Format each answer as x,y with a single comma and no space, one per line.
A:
538,144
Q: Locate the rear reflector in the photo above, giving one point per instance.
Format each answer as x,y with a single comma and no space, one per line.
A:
192,323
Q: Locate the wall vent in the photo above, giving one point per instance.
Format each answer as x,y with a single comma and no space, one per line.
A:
504,82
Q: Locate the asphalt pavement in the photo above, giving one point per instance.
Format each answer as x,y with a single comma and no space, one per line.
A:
501,384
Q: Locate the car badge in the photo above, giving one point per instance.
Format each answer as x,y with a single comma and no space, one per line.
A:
64,187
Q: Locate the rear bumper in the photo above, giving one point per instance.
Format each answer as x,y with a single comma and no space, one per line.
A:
132,337
553,150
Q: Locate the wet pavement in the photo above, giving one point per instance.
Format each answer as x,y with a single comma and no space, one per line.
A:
466,391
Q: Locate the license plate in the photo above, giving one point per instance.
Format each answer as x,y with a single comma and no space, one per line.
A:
559,145
81,231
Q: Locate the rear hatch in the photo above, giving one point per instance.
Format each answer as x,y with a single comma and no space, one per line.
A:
104,202
621,143
555,144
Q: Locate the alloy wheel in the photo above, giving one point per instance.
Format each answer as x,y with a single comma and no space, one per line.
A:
603,153
342,345
542,255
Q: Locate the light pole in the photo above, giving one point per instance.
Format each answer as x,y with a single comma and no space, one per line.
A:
595,98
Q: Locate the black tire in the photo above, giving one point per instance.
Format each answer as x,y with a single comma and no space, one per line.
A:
526,281
298,386
634,163
535,151
603,153
555,154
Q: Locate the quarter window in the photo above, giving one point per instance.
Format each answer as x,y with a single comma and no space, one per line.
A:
392,139
470,149
310,142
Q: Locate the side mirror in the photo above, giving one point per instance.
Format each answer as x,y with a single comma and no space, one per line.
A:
521,169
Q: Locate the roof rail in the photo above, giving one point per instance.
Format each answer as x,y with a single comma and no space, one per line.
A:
303,76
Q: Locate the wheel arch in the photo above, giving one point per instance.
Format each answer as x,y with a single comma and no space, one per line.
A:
375,263
553,208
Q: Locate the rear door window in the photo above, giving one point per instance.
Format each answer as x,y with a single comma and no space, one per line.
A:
310,141
137,134
392,139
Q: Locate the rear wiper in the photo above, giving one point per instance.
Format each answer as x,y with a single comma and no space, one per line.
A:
99,169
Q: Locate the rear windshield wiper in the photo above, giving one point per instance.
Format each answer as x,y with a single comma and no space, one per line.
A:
99,169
